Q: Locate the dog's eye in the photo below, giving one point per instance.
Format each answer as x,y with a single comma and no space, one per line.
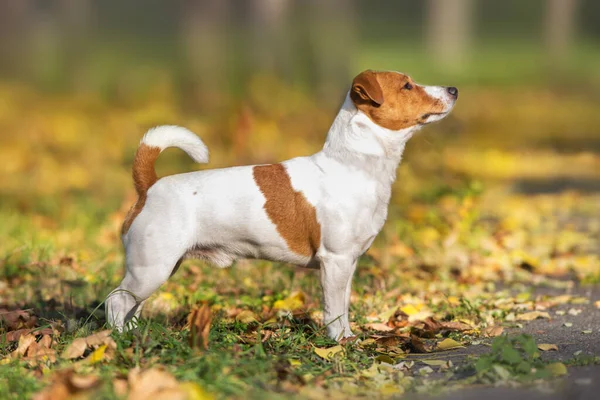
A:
407,86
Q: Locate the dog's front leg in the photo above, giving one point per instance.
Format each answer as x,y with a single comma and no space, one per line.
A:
336,280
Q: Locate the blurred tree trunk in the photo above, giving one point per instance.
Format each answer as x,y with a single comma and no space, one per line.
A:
332,39
205,25
74,17
269,48
15,21
559,27
449,30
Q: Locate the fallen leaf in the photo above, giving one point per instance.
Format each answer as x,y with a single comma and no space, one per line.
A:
456,326
448,344
384,358
327,353
530,316
597,304
425,371
46,341
147,384
98,338
24,342
378,326
97,355
83,382
587,331
434,363
418,346
199,321
574,311
547,347
557,369
75,349
409,310
293,302
246,317
66,384
493,331
568,324
13,336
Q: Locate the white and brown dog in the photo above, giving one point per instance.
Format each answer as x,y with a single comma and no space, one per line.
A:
321,211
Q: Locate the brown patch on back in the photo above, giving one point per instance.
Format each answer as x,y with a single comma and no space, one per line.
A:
294,217
144,176
401,108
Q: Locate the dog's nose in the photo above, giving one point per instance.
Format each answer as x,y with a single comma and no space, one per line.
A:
453,91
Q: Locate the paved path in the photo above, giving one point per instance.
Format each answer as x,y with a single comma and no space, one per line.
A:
582,383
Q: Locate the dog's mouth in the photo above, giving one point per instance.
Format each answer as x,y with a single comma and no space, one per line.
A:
426,118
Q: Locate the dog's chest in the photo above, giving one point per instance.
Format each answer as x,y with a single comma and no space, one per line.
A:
353,212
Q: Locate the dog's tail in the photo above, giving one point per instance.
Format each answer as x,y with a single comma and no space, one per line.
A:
156,140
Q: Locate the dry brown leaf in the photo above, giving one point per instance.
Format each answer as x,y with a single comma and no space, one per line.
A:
152,384
493,331
46,341
83,382
246,317
120,387
13,336
199,321
66,384
418,346
530,316
456,326
378,326
547,347
24,342
98,338
75,349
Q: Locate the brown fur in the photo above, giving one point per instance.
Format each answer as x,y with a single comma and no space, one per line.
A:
399,108
294,217
144,176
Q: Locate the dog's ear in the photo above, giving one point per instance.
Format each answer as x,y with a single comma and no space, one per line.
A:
365,88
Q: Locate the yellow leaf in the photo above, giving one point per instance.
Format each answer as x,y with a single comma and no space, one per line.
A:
246,317
409,310
434,363
547,347
293,302
453,301
97,355
557,369
448,344
384,358
194,391
530,316
367,342
326,354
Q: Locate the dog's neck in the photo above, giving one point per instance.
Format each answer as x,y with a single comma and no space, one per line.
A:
354,139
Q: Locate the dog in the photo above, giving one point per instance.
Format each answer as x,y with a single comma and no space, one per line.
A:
322,211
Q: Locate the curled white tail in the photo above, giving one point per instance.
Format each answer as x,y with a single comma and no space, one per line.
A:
176,136
154,141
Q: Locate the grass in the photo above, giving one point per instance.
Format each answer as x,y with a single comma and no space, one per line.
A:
460,247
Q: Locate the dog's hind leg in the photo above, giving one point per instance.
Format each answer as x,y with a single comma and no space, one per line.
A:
148,267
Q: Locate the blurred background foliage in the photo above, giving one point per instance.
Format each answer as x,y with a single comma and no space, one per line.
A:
261,80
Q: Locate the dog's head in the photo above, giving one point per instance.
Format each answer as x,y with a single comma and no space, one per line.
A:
394,101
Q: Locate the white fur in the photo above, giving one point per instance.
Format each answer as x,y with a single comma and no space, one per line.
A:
175,136
219,215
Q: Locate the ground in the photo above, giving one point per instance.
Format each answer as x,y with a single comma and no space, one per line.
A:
484,278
